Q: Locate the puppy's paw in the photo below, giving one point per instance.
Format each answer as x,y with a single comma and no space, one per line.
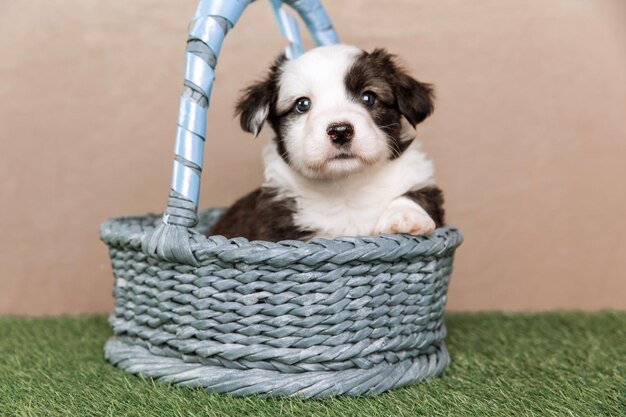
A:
405,217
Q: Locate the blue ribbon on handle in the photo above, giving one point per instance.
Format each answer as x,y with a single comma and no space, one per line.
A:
211,22
316,19
314,16
289,28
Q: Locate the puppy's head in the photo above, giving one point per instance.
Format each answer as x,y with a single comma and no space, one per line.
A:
336,110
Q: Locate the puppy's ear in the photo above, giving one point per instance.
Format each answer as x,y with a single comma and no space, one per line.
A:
253,105
415,99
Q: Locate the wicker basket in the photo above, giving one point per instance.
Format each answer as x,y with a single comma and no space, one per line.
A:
349,316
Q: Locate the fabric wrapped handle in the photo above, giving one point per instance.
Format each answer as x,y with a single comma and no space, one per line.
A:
170,240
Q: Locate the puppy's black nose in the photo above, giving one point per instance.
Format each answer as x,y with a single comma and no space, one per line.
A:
340,133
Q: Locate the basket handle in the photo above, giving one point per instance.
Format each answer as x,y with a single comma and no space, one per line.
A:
171,239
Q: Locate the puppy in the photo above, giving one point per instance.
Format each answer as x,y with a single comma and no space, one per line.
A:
342,158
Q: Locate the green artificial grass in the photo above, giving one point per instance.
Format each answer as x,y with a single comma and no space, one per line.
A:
555,364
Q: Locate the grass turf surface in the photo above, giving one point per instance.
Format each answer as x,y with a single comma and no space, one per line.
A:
555,364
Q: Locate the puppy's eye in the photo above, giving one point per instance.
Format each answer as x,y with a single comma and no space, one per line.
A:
303,104
368,98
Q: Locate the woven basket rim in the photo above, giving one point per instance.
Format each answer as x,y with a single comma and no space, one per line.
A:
117,233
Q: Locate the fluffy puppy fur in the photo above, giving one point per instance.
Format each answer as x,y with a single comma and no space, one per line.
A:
342,158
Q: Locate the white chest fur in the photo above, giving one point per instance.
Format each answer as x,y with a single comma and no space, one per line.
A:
349,206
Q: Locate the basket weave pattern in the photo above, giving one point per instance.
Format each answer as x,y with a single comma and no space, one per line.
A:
351,316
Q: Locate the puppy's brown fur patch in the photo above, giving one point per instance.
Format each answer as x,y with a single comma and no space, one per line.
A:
260,216
398,94
431,200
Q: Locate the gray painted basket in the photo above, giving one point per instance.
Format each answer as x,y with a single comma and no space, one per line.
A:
348,316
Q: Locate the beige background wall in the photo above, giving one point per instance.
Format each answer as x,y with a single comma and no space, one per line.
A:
529,137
